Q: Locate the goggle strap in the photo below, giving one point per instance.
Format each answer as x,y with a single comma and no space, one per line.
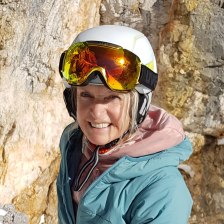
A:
148,78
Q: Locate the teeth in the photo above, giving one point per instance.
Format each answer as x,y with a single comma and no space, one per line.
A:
102,125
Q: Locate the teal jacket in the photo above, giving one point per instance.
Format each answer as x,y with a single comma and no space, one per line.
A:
148,189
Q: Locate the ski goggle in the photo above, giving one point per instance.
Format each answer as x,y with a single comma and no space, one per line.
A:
119,68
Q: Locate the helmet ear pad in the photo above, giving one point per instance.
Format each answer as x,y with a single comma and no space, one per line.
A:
61,63
143,106
69,99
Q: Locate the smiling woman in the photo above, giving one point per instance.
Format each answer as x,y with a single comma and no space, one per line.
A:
101,113
120,164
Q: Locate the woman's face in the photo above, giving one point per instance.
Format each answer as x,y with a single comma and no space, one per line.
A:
102,114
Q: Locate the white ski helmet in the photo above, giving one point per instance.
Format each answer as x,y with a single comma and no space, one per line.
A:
132,40
127,38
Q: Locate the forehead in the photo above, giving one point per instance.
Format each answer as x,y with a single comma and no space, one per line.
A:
97,90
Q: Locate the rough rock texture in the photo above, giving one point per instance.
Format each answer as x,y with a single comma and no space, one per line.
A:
32,111
188,38
191,55
8,214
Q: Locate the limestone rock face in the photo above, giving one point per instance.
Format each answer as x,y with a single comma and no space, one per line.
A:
32,111
188,39
192,67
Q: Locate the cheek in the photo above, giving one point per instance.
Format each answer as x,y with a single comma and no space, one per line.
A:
120,116
81,111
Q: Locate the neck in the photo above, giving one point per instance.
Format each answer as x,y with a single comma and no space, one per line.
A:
107,147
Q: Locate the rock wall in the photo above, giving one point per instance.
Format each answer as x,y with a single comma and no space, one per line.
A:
32,111
188,38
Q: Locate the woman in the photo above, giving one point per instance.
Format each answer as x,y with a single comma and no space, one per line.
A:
119,160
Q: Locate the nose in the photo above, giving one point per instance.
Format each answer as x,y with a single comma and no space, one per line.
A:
98,110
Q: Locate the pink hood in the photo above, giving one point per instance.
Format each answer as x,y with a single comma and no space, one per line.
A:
159,131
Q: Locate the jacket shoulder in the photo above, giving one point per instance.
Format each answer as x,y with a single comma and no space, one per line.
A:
69,136
166,200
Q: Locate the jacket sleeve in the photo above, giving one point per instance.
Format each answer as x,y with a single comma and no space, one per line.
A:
62,213
166,201
61,185
65,206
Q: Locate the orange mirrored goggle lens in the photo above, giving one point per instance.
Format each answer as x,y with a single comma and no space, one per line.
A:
119,67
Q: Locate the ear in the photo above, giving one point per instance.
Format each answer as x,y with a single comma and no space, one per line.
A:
69,102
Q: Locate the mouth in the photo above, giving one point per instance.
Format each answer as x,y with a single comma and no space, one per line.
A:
99,125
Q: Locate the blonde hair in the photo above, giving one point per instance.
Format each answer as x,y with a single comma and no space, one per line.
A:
132,99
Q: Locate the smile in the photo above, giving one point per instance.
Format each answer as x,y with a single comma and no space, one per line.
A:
100,125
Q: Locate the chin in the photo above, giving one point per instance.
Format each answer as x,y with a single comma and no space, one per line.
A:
99,141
